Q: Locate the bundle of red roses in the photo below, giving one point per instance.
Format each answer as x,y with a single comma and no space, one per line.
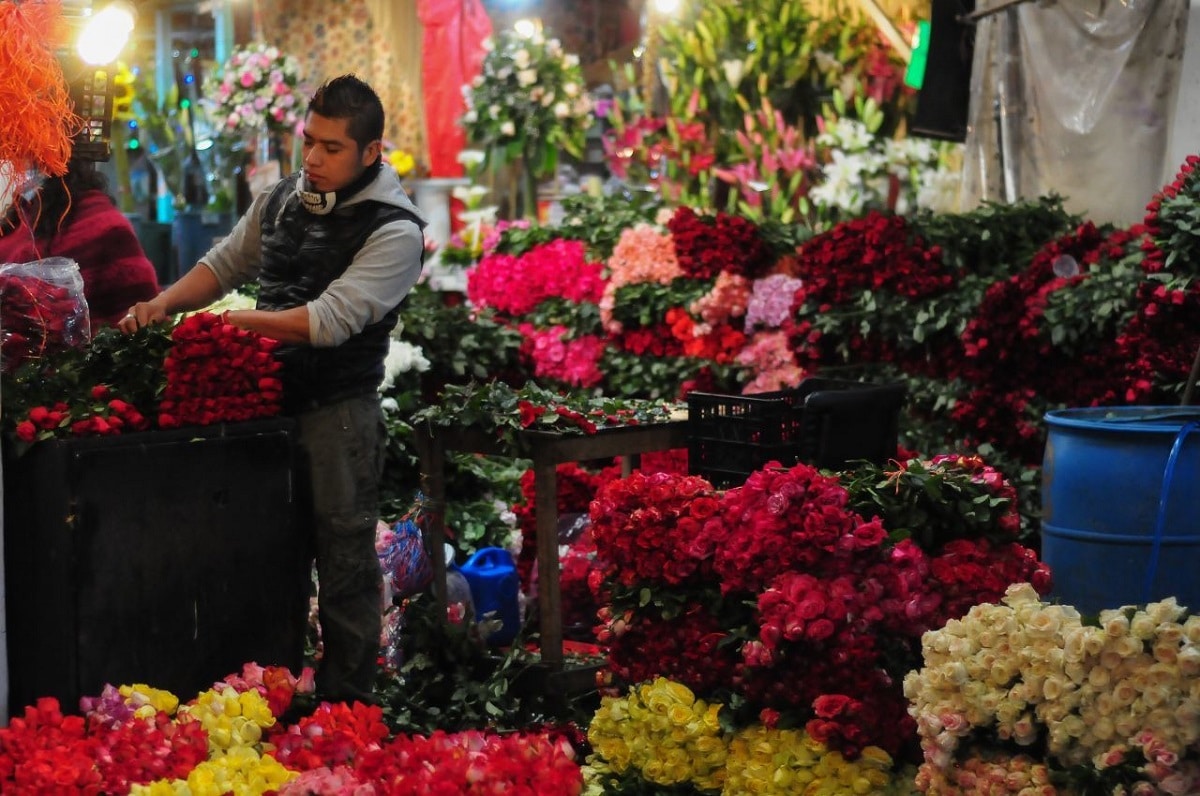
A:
218,373
44,751
43,310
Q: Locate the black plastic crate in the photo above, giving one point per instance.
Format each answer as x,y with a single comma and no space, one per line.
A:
828,423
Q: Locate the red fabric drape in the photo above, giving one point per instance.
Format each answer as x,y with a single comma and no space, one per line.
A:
451,56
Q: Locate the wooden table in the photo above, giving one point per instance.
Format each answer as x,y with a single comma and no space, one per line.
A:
547,450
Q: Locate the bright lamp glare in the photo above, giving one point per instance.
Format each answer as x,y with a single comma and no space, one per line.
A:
105,35
525,28
666,8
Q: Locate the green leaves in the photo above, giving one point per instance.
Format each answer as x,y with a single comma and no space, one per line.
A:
497,408
460,343
932,504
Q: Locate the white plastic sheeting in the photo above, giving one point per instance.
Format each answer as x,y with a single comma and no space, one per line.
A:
1074,97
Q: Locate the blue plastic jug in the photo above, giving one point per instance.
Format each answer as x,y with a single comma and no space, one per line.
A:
492,576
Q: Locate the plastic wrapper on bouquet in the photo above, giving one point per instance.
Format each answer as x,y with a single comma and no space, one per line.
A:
42,310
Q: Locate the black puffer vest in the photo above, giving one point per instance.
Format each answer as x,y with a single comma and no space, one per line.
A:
302,254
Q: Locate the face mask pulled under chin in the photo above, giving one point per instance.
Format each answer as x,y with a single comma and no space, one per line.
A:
318,203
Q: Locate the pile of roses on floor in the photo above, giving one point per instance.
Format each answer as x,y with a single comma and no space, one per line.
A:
769,639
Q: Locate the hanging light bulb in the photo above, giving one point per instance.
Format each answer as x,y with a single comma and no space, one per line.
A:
105,33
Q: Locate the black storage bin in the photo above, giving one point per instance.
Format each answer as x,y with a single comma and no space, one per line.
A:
168,558
828,423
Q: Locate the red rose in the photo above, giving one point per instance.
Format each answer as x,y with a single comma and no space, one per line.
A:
26,431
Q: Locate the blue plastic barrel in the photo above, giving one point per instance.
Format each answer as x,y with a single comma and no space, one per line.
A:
1121,505
495,585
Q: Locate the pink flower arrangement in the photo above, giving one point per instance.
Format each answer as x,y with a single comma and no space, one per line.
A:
771,300
258,86
514,285
559,357
642,254
725,302
772,359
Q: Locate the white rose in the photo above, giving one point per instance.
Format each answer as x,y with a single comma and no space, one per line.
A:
527,77
521,59
1191,628
508,128
561,111
570,88
471,157
1188,661
470,117
1142,626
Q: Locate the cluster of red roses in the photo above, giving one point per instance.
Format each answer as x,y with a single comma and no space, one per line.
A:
1025,351
43,751
781,593
40,317
346,749
707,246
218,373
106,414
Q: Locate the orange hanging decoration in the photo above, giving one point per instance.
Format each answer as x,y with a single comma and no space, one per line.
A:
37,118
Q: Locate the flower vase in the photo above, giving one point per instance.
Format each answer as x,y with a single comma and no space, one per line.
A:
529,196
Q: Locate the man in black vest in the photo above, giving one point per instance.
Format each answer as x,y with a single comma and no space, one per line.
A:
334,249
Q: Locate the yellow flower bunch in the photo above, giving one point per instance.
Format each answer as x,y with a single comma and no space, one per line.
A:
231,718
241,772
402,161
147,701
664,732
770,761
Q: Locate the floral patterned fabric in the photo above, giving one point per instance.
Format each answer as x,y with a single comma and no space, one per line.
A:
333,37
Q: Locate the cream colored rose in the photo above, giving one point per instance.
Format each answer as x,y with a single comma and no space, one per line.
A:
1142,626
1115,624
1188,660
1165,611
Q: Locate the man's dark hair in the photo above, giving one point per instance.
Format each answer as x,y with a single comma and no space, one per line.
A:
348,97
48,208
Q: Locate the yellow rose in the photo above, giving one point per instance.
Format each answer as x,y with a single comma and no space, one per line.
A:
401,161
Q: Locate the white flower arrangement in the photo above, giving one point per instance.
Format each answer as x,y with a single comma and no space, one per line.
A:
863,171
402,357
1116,693
529,102
257,86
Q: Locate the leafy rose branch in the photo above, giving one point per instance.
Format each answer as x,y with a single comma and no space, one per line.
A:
507,411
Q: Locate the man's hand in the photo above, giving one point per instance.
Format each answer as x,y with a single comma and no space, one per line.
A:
142,314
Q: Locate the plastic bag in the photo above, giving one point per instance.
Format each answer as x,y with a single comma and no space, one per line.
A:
406,565
42,310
